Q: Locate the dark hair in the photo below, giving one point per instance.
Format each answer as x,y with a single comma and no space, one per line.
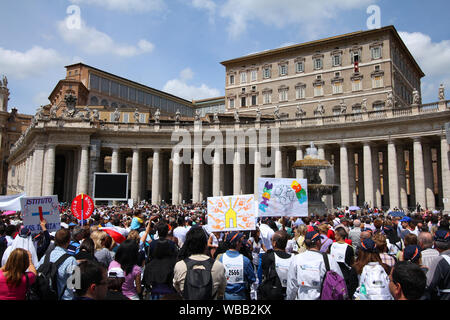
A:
127,255
411,278
115,284
280,238
91,272
62,237
410,238
342,232
88,246
163,229
195,243
10,230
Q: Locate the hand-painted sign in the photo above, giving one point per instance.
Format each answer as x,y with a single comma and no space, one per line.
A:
282,197
35,209
231,213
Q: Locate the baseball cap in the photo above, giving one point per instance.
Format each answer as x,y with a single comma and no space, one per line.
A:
368,245
234,237
24,232
313,236
405,219
412,253
442,236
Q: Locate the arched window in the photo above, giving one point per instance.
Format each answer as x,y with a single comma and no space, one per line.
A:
114,105
378,105
105,103
94,101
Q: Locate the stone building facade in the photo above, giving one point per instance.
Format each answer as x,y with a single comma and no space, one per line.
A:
390,152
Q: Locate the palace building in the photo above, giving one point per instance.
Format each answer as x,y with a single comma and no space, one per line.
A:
356,96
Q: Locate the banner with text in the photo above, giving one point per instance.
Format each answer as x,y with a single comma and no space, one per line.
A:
232,213
34,209
279,197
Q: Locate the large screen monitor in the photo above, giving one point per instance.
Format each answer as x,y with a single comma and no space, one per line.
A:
110,186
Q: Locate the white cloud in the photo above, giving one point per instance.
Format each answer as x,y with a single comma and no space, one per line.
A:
93,41
181,88
307,14
125,5
207,5
433,58
34,62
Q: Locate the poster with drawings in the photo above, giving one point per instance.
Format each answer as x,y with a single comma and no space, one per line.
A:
231,213
281,197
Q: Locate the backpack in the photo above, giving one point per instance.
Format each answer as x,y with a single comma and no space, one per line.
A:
374,283
45,286
333,285
271,288
198,282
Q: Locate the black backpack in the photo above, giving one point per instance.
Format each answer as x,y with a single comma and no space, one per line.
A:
198,282
45,286
271,287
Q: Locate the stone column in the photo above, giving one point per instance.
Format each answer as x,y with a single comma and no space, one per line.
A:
394,196
419,174
237,179
196,172
84,170
257,171
299,156
176,166
217,170
36,174
345,188
368,175
278,163
402,177
445,167
115,160
428,171
28,180
156,177
135,176
352,176
49,180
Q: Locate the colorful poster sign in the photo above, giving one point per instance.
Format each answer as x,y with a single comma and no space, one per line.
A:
278,197
34,209
232,213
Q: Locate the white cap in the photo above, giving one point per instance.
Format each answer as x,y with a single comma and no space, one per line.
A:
118,273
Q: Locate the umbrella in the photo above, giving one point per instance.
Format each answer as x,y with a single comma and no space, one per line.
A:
119,235
354,208
8,213
397,214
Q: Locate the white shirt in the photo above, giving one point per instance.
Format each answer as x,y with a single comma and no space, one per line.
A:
180,234
306,273
266,233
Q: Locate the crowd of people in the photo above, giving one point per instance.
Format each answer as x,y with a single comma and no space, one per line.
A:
168,252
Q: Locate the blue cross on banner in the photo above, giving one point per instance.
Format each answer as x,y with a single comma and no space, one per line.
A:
40,213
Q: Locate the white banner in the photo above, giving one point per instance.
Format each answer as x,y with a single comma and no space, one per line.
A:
282,197
11,202
35,208
232,213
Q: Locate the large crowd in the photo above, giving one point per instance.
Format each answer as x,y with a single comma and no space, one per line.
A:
168,252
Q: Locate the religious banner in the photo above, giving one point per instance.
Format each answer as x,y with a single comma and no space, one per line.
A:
279,197
232,213
34,209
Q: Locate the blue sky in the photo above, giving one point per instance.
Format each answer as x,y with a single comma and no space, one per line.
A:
177,45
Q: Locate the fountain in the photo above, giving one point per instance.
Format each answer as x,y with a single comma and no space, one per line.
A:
311,166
